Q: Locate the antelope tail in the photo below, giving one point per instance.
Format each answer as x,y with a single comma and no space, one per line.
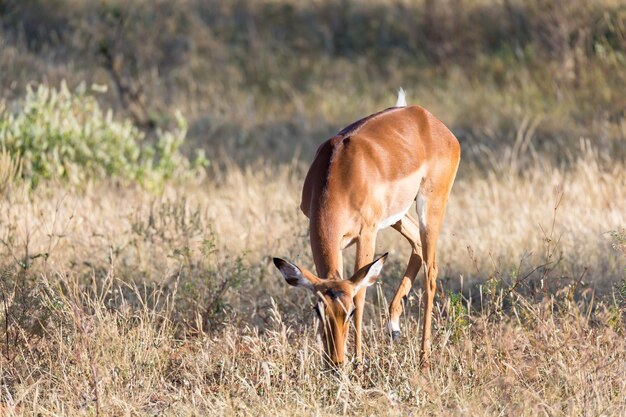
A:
401,101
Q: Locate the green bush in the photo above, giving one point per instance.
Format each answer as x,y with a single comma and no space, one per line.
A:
64,135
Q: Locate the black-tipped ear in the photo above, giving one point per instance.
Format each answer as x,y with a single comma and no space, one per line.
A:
368,275
292,274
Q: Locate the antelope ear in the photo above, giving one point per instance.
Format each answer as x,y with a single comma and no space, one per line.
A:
295,276
368,275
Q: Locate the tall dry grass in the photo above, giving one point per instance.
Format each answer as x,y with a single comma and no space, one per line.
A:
120,302
553,358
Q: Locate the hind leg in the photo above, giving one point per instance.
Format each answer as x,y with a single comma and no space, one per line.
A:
431,207
409,228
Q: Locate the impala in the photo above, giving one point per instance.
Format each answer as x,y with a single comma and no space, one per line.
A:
362,180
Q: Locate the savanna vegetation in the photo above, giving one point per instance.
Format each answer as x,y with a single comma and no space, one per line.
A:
152,155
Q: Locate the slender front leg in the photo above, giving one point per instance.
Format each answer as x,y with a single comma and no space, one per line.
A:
366,245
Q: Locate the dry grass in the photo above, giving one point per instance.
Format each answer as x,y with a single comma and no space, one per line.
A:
547,359
106,301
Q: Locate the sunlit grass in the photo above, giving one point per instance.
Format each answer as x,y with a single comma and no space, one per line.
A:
130,303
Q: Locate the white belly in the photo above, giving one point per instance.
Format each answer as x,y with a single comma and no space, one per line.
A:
400,197
393,219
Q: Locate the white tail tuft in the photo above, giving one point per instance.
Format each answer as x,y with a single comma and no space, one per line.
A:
401,102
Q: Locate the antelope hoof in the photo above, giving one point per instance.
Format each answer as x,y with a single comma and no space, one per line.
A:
393,330
359,365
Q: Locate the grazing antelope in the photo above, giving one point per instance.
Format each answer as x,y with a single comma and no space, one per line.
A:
362,180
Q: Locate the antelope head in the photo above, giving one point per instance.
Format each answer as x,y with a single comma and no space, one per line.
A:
334,300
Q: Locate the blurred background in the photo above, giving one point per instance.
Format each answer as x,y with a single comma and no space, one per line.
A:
271,79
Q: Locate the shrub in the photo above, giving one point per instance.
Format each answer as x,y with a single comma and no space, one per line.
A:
59,134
